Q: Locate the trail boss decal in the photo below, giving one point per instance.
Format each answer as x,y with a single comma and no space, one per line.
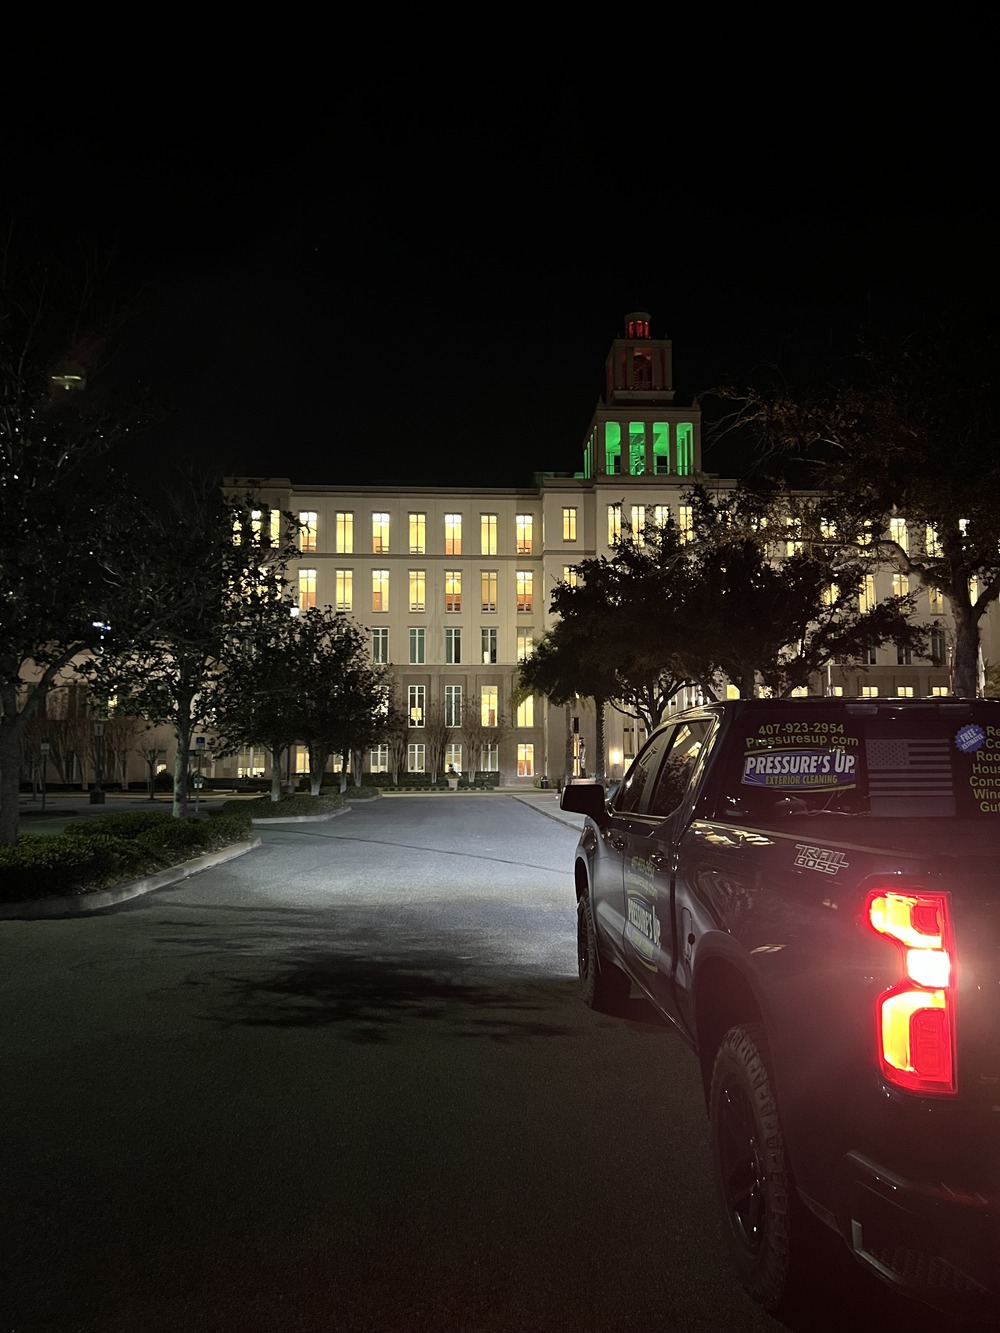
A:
824,859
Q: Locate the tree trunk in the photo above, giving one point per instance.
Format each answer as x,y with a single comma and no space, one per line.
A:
600,768
10,782
180,805
276,773
317,763
966,665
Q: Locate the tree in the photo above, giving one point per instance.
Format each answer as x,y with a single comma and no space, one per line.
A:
906,430
629,625
479,731
563,666
775,617
67,529
343,697
211,578
435,737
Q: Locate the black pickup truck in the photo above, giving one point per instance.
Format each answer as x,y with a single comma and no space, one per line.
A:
809,890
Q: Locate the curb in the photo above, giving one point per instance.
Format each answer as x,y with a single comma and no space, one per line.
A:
79,903
301,819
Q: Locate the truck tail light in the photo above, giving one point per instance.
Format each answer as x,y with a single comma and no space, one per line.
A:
915,1018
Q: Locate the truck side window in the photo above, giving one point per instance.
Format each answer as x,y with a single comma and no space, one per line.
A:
637,779
678,768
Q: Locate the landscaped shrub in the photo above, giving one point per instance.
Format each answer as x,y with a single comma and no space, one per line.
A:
109,849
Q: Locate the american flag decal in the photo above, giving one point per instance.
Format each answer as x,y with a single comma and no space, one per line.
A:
909,768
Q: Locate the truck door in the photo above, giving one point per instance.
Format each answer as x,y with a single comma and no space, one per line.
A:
651,929
609,862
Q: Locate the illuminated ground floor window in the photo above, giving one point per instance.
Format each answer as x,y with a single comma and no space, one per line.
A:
453,758
525,761
491,758
416,757
301,763
251,762
378,759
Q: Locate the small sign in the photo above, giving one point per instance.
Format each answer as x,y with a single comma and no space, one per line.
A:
199,740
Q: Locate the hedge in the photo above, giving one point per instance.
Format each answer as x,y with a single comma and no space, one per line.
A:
107,850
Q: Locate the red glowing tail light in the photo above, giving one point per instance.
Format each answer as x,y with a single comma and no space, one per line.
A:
915,1018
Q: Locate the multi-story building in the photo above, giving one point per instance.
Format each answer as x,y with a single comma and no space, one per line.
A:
454,585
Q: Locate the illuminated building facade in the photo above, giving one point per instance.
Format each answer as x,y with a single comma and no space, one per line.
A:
454,585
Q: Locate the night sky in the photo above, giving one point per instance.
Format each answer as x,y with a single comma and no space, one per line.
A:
340,304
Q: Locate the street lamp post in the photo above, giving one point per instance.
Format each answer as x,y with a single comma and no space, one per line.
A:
97,791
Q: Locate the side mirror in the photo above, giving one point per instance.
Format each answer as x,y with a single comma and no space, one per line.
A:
585,798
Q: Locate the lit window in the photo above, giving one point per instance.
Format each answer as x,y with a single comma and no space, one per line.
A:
866,598
900,585
344,581
827,530
569,525
636,448
974,590
307,530
830,594
637,518
897,532
416,645
661,515
344,533
490,758
792,547
453,706
416,761
488,580
418,590
525,580
935,599
685,522
525,644
525,715
418,534
378,759
614,524
932,543
380,644
523,525
453,646
612,448
453,590
869,691
453,534
380,533
488,639
939,691
307,589
661,448
488,704
380,590
453,757
685,448
416,699
569,576
487,534
904,691
525,761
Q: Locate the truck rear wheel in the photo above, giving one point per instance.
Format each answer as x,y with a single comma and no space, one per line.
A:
604,987
763,1218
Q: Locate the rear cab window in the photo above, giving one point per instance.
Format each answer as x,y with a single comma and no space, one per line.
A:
926,762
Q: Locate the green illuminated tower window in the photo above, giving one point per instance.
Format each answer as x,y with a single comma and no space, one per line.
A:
685,448
661,448
636,448
612,448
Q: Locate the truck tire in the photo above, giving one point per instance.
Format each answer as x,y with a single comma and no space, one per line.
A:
762,1217
604,987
